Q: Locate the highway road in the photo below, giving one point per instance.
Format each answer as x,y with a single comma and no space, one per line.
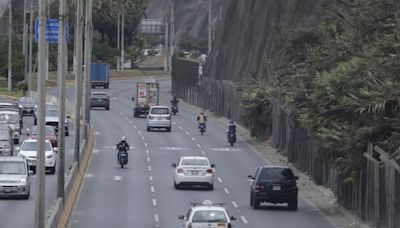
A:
21,213
142,194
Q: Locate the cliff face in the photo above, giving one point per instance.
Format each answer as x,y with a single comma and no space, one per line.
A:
255,32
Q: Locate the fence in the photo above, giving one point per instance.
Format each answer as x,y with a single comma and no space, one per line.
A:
374,196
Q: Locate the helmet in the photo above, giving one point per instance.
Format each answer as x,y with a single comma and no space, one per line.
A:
231,121
201,112
123,138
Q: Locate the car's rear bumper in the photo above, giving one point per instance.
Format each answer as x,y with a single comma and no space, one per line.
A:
194,180
159,123
281,197
14,189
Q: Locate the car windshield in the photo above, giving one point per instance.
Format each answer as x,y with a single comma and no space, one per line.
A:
102,95
209,216
4,134
32,146
27,100
160,111
276,174
8,118
48,130
12,167
195,162
51,112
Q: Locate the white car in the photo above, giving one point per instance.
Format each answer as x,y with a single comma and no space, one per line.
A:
194,171
159,117
207,215
14,180
52,119
28,151
13,119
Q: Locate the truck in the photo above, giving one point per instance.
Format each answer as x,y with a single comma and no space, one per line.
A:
147,95
100,75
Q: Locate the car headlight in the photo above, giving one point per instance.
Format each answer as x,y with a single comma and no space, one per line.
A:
49,156
35,106
22,180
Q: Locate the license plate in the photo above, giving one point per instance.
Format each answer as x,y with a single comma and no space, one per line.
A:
276,188
195,172
221,224
160,118
8,190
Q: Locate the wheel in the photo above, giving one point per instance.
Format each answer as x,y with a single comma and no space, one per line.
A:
202,132
122,165
35,121
211,187
176,186
255,203
231,143
27,195
66,133
108,108
52,170
169,129
148,128
292,204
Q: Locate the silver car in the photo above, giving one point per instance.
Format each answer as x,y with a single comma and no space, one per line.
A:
159,117
194,171
14,177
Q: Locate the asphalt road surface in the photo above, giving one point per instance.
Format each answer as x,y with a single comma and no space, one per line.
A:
142,194
18,213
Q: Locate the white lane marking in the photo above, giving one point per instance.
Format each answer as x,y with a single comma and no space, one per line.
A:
154,202
152,189
135,126
118,178
173,123
88,175
234,204
156,219
180,127
202,152
143,138
96,133
139,132
220,180
148,159
95,151
130,122
145,144
198,145
126,118
187,133
193,139
244,220
121,113
114,98
151,178
147,151
226,191
149,167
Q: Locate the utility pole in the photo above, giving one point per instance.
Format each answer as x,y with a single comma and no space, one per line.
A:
166,48
172,34
86,81
78,77
118,40
25,42
209,26
40,158
62,67
10,46
47,44
30,79
123,39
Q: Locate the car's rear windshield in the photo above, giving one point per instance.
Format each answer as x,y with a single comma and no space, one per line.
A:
4,134
12,167
51,112
8,118
209,216
276,174
49,130
32,146
160,111
199,162
27,100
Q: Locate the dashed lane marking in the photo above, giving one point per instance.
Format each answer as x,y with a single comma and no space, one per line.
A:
154,202
148,159
226,149
135,126
95,151
88,175
152,189
219,180
149,167
147,151
180,127
193,139
145,144
172,148
151,178
130,122
244,220
143,138
139,132
226,191
118,178
202,152
156,218
121,113
187,133
234,204
198,145
173,123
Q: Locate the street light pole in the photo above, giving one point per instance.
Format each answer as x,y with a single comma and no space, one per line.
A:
86,80
25,42
30,79
78,77
62,55
172,34
123,39
40,158
118,40
209,26
10,46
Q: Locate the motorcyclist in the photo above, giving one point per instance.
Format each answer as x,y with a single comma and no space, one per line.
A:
231,128
122,146
201,119
174,101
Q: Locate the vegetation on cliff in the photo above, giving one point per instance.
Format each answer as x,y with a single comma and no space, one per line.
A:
342,81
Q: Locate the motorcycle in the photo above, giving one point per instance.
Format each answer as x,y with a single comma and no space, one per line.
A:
202,128
231,138
174,109
123,158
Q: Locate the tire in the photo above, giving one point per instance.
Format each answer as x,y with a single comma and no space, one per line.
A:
231,143
292,204
202,132
148,128
108,108
35,121
66,133
52,170
211,187
122,166
168,129
255,203
27,195
176,186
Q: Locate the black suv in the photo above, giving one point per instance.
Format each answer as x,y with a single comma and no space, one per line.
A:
274,184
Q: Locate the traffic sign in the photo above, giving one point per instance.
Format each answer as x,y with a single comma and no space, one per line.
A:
51,31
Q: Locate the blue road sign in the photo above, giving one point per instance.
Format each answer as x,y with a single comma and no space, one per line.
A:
51,31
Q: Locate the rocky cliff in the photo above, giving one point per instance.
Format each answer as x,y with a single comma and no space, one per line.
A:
256,32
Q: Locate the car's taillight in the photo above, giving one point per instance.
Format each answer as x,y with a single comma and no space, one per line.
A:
229,225
257,187
209,171
179,170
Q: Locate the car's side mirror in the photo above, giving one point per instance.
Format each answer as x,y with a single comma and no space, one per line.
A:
250,177
173,165
68,117
212,165
181,217
233,218
30,172
296,177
